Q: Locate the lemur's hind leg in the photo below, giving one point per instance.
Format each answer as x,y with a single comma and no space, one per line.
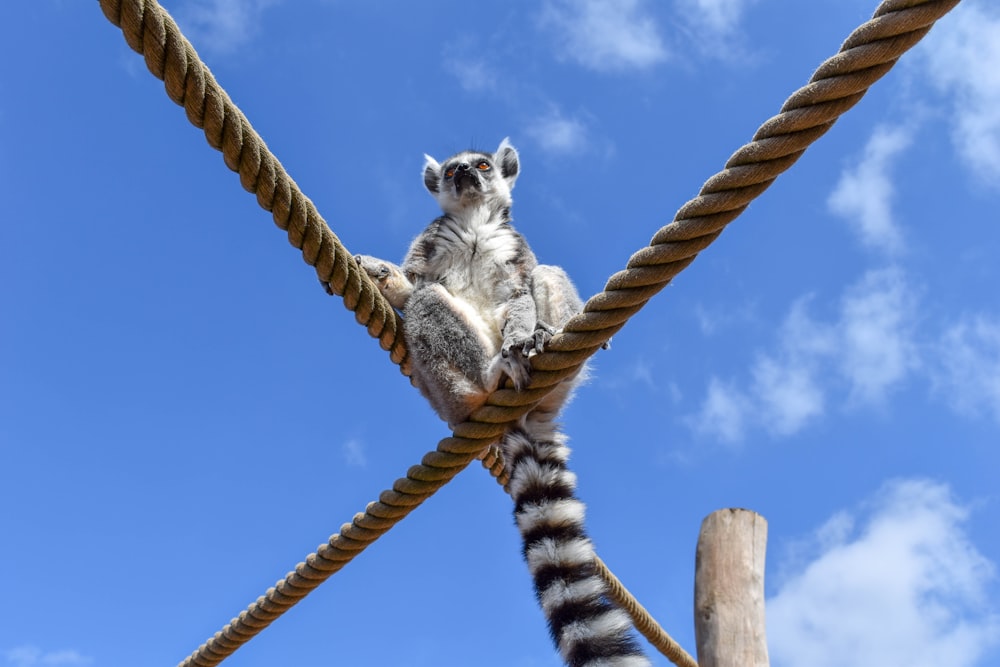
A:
556,301
455,364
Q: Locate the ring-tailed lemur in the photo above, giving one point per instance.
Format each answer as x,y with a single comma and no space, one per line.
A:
476,305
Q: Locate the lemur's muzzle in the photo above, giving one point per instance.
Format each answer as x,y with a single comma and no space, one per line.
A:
466,177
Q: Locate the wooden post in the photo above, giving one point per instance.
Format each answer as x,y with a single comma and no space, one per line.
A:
729,590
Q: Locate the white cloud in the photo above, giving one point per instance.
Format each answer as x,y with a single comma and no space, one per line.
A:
876,328
856,361
556,133
784,392
863,195
712,29
968,366
867,351
908,588
709,321
354,453
720,17
962,54
717,319
475,76
641,372
789,395
785,382
604,35
32,656
638,372
724,413
222,25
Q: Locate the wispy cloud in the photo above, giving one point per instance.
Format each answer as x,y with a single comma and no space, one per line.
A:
604,35
785,381
720,16
863,195
474,75
784,391
222,26
713,320
967,366
354,453
857,361
32,656
789,395
963,60
863,354
877,332
638,371
557,133
714,26
907,588
724,414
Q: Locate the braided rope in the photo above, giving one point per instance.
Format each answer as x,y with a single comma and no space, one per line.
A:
837,85
642,619
151,31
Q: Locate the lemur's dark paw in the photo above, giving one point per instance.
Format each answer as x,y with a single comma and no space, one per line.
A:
539,339
515,353
512,347
542,326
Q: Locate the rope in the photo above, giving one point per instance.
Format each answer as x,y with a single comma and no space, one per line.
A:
642,619
838,84
151,31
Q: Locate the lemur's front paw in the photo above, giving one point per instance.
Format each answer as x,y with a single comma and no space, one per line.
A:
539,339
515,353
389,279
377,269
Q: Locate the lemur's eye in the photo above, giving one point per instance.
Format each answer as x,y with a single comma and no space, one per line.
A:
449,173
483,166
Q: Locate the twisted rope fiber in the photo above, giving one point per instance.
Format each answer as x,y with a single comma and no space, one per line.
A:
151,31
838,84
643,620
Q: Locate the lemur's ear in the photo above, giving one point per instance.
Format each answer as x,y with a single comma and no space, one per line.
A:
432,174
507,160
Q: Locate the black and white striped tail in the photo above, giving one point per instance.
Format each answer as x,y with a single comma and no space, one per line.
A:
587,628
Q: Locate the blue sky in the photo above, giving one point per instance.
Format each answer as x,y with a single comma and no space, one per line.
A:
185,414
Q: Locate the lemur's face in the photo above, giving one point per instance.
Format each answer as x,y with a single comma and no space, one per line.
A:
472,178
468,174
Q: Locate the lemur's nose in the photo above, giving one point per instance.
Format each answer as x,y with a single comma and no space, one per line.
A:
463,166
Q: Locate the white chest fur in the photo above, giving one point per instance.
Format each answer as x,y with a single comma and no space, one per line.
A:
475,259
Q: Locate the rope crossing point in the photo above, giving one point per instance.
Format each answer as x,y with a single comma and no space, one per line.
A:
839,83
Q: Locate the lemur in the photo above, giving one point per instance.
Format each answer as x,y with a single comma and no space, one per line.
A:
476,306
